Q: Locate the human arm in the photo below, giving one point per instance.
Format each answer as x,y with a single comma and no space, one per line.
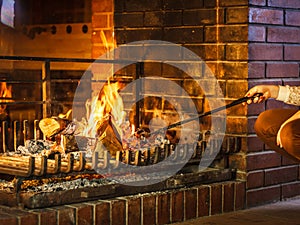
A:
287,94
268,91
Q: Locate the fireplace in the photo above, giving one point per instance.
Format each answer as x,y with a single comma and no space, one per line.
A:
81,170
67,55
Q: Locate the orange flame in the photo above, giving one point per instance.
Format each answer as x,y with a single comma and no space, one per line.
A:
107,103
5,95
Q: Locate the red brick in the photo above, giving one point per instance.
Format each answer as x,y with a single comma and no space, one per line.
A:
236,88
177,206
283,34
102,6
257,33
263,195
7,219
263,160
163,208
47,216
237,161
255,179
203,201
240,196
255,109
190,196
149,209
134,210
84,214
256,69
126,36
199,17
118,212
291,190
66,215
102,213
292,52
233,33
265,51
236,125
233,2
129,19
292,18
287,161
281,175
216,199
236,52
257,2
273,104
287,70
251,122
152,19
24,217
237,15
100,21
118,6
295,82
209,3
284,3
265,16
252,83
183,35
135,5
228,204
255,144
173,18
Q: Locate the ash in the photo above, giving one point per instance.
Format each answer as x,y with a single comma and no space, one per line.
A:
69,185
7,186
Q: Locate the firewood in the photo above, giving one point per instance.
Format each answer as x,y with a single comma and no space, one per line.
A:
53,125
69,143
109,136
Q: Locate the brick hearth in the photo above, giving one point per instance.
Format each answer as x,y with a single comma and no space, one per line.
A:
151,208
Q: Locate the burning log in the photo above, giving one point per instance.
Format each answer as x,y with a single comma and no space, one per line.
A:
109,135
52,126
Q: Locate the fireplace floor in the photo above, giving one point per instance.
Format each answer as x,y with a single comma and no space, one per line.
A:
284,212
103,188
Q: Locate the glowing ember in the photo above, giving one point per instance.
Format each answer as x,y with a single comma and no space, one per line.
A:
5,95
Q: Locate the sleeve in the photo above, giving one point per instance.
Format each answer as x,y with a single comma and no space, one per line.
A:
289,95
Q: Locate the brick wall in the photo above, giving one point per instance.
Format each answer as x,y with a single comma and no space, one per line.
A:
217,31
102,27
243,46
153,208
274,54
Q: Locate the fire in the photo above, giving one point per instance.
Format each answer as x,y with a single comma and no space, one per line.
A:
5,95
107,103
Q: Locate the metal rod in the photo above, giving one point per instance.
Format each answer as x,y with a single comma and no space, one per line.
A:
46,89
35,129
32,58
15,135
25,130
4,130
234,103
138,73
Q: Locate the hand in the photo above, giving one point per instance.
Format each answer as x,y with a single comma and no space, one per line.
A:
268,91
